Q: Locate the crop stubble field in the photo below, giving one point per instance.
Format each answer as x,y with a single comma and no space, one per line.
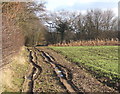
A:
101,61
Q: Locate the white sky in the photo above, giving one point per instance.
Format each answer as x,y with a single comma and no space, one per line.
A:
82,5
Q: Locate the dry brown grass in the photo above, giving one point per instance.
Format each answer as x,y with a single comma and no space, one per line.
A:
11,75
90,43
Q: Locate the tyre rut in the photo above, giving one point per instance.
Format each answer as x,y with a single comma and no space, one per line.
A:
35,71
64,74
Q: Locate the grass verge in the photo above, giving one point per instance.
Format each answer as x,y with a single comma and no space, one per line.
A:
12,77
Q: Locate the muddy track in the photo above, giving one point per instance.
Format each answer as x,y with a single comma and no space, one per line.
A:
64,74
33,74
48,73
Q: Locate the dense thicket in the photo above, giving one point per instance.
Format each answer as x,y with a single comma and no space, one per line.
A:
12,37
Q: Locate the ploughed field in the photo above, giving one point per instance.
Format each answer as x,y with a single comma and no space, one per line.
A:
100,61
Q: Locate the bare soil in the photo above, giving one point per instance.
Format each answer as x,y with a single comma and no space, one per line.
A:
46,80
83,80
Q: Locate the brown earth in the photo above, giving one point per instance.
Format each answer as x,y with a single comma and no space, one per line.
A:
48,81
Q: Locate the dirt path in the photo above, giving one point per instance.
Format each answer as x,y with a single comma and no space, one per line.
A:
41,76
51,72
62,72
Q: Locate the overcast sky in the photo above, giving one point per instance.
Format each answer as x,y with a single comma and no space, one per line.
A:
82,5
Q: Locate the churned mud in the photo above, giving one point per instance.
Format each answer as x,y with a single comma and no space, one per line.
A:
51,72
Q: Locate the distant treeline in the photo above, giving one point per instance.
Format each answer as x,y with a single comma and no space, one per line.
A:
73,26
